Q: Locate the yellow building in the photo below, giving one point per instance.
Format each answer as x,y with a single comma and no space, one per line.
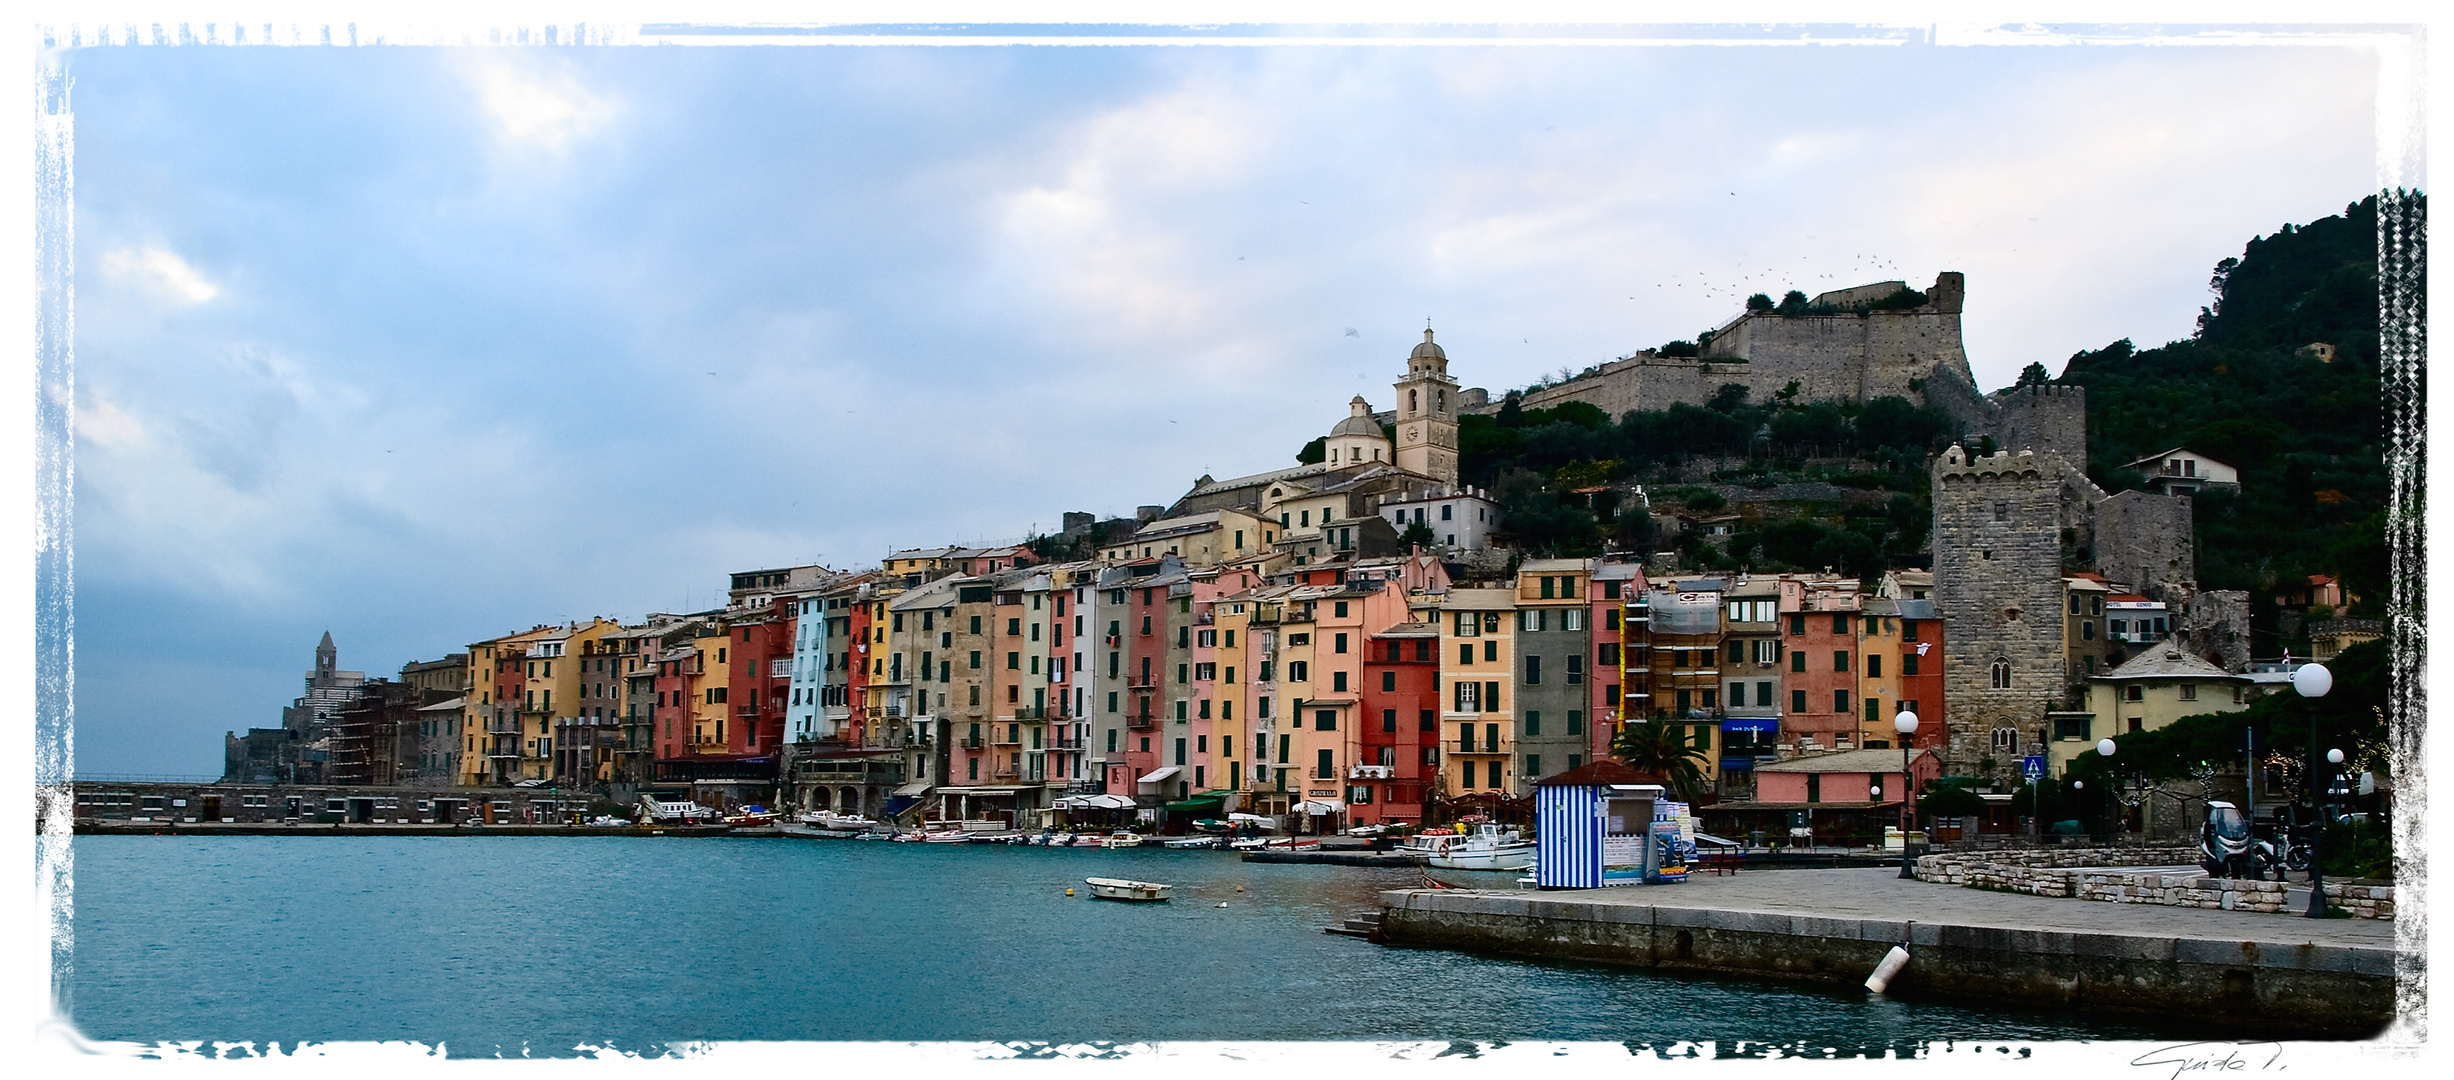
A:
2155,688
1478,685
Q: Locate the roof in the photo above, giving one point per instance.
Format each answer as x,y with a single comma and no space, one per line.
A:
2159,456
1917,609
1428,348
1553,566
1844,761
1481,600
445,706
2167,662
1410,630
1360,421
1618,571
1604,771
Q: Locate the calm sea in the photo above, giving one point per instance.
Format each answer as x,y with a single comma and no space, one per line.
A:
541,944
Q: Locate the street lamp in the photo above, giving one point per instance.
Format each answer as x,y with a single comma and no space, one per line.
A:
1906,724
2104,749
2312,681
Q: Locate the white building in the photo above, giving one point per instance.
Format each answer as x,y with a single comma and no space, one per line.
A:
2179,471
1459,517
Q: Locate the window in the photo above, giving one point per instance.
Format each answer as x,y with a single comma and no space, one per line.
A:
1388,720
1491,696
2089,663
1339,645
1446,511
1337,682
1908,663
1531,619
2087,630
1428,720
2006,739
1797,660
1840,660
1533,670
1607,654
1797,701
1533,765
1840,701
1325,719
1469,697
1840,624
975,659
1491,651
1738,695
1576,669
1298,671
1874,665
1468,624
2071,727
1533,722
2134,692
1763,694
2188,691
1388,681
1737,650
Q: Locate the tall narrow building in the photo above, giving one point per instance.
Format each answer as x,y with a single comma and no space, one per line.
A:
1427,414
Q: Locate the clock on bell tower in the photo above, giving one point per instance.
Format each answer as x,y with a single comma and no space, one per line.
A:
1427,414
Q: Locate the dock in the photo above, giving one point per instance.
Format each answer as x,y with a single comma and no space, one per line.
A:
2237,970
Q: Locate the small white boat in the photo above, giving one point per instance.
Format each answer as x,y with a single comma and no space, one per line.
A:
1120,889
1489,848
1063,839
1122,840
946,836
1191,843
846,824
1282,843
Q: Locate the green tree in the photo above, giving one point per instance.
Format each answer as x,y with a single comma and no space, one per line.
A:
1417,534
1759,302
2033,375
1314,452
1663,750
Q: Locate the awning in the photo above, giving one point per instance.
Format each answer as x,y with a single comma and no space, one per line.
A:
1162,774
900,803
1752,723
1197,803
1319,807
1093,802
916,787
1241,818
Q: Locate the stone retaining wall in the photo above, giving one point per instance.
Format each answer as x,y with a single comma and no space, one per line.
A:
2080,873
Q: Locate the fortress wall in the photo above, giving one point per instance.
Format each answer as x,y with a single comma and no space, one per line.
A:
2145,538
2043,418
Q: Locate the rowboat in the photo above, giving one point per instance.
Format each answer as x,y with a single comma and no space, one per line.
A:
1120,889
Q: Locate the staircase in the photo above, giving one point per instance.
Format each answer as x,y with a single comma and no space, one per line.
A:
1365,925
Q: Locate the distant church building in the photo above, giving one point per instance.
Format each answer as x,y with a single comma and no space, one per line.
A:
296,752
1350,502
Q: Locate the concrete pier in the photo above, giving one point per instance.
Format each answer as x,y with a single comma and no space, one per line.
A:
2216,970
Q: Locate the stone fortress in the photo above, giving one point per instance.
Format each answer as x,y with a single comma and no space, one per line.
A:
2009,527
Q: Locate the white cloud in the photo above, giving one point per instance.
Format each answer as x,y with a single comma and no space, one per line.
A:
104,424
546,110
159,269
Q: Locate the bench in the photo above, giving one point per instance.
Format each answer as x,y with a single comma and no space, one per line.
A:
1720,862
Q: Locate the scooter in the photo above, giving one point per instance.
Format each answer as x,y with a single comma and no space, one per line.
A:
2225,847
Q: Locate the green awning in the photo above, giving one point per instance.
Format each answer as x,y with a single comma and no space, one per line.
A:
1203,801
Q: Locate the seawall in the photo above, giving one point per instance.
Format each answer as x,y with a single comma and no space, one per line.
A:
2239,972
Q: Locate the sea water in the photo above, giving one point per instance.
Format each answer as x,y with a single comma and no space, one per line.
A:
539,945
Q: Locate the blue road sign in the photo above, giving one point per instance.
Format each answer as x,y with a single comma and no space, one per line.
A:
2032,766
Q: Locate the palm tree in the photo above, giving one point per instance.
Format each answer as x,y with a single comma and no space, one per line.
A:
1662,750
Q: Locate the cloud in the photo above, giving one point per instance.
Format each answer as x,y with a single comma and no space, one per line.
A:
546,110
159,269
104,424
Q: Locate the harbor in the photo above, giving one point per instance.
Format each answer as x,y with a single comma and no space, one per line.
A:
2241,971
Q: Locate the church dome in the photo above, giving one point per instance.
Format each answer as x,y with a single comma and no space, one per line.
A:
1359,422
1427,350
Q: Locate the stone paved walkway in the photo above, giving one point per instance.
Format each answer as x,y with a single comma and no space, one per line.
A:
1881,894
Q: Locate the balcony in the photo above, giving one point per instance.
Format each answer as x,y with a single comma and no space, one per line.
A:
969,742
1143,686
1372,772
1142,723
1065,742
1030,712
1005,738
1319,773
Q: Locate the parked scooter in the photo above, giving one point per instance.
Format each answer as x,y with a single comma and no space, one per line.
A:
2225,847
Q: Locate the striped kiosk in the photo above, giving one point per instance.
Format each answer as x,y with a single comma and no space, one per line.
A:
1593,827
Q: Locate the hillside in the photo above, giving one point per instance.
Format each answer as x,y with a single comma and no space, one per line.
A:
2255,387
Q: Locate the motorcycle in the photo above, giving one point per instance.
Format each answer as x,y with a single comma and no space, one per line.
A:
2225,846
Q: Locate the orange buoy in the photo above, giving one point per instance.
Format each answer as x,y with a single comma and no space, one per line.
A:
1069,892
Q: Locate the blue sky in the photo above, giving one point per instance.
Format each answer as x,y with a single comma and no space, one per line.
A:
425,345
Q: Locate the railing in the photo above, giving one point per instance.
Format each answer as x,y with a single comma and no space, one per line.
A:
1142,686
1065,742
969,742
1031,712
1142,723
1372,772
1005,738
1319,773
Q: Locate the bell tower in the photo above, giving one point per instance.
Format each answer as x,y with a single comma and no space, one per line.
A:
1427,414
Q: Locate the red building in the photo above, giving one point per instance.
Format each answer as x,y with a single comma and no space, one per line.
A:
1921,672
1399,754
1819,634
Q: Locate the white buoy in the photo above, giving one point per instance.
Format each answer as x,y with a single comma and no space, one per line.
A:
1222,903
1893,961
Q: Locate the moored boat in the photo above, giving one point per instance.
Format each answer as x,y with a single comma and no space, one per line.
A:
1122,840
1191,843
1488,848
1121,889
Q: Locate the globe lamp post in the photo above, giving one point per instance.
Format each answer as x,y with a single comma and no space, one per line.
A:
2312,681
2104,749
1906,724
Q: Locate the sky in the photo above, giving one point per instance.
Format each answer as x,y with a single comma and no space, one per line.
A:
422,346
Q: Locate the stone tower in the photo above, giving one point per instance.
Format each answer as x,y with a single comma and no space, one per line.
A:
1427,414
1998,524
327,662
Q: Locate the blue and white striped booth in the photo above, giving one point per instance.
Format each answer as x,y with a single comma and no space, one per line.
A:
1593,827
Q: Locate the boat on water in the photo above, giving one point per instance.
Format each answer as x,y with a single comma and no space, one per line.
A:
1489,847
1122,840
1121,889
847,824
878,834
1191,843
1282,843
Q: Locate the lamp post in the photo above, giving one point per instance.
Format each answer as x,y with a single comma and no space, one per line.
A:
2104,749
1906,724
2312,681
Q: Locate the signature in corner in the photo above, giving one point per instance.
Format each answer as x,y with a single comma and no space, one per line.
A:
2212,1057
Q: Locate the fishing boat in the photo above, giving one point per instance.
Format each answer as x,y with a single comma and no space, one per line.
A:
1488,848
1122,840
1120,889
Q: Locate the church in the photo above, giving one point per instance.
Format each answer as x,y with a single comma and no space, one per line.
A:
1373,481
